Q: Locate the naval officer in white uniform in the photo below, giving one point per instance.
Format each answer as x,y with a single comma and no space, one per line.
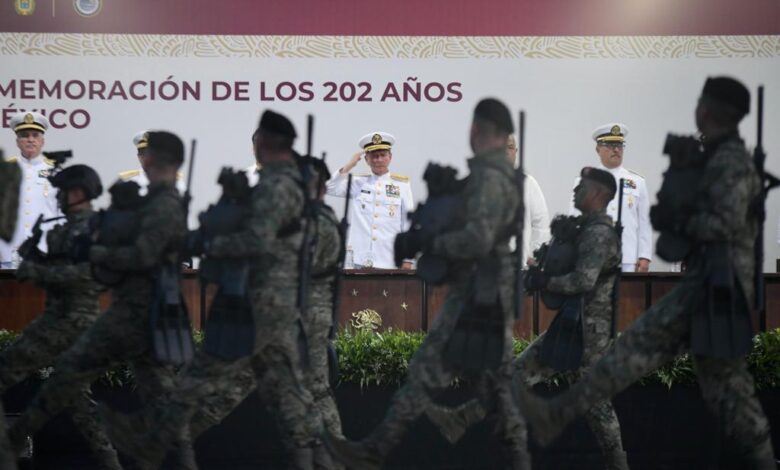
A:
637,232
37,196
536,228
380,204
139,176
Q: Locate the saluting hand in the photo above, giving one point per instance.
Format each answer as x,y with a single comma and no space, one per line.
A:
352,162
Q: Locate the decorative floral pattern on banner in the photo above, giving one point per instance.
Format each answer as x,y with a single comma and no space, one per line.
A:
384,47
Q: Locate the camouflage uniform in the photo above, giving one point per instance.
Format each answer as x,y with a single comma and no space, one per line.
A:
598,255
320,318
277,205
10,182
71,308
728,186
121,334
490,202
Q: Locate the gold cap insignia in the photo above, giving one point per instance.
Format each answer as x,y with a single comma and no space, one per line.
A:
28,118
615,130
376,139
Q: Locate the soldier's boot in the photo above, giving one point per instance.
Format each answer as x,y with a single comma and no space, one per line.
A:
323,460
547,418
762,457
300,458
617,460
131,436
354,455
454,422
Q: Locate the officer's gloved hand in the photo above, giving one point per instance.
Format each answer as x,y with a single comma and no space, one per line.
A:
407,245
665,219
535,279
79,250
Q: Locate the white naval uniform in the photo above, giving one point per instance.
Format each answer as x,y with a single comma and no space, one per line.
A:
536,229
637,241
143,181
378,212
37,196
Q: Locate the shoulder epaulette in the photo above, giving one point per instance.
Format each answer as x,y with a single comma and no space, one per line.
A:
362,175
401,178
179,175
48,161
634,172
13,160
126,175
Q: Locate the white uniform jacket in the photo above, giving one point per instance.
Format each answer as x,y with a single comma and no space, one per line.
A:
37,196
378,212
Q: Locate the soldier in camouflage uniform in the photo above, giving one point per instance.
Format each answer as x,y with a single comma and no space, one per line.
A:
490,202
728,186
122,334
597,262
71,304
10,183
233,389
272,238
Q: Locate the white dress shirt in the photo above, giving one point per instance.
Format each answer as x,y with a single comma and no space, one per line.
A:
637,239
536,229
36,197
378,212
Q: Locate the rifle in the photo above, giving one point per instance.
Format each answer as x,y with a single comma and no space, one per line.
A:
305,259
520,218
768,183
616,287
187,198
29,249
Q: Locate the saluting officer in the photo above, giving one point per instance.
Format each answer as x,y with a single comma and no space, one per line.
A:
380,203
36,196
637,240
140,140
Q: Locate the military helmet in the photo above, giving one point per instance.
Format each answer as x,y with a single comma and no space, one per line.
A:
79,176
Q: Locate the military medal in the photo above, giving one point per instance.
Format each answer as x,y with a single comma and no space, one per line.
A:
392,190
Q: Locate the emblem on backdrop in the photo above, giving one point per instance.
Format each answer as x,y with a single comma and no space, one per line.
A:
24,7
87,8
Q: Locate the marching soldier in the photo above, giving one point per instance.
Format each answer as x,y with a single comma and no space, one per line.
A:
381,201
271,239
480,294
588,288
713,297
36,196
122,334
71,303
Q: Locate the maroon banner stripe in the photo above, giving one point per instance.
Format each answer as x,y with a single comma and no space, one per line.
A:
401,17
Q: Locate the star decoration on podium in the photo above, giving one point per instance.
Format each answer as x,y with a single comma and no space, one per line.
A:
384,292
354,292
404,306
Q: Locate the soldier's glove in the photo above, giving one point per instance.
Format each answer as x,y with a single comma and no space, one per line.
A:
665,219
407,245
98,254
79,251
28,271
535,279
